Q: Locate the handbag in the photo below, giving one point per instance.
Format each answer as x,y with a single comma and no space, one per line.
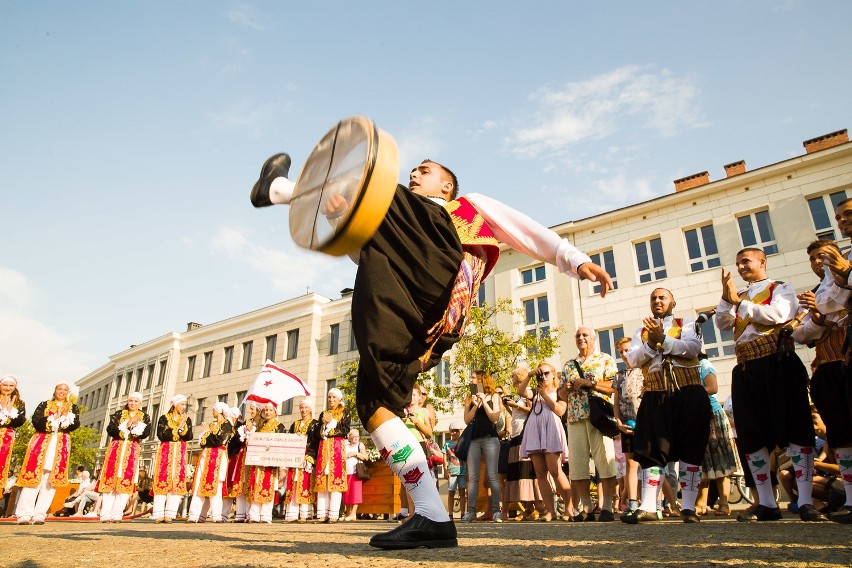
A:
463,443
601,413
362,472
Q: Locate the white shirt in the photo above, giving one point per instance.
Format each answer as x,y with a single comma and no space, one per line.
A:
688,347
780,309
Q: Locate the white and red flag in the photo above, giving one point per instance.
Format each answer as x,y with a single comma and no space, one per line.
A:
276,385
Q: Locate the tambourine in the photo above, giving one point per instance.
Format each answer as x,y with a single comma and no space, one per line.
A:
345,188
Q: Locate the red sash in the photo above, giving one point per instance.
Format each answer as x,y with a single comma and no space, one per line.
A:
234,483
209,470
170,469
299,482
120,466
262,484
7,440
331,452
33,466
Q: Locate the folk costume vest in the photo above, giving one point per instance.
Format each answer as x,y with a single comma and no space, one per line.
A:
671,377
35,459
481,250
768,343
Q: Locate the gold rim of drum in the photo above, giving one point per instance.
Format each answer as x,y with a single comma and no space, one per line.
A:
355,159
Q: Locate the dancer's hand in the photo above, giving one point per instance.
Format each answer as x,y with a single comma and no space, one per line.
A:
593,272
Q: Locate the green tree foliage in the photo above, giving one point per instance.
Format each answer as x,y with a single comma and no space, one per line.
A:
84,446
484,346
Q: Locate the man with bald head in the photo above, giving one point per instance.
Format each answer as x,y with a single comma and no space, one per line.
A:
590,374
673,420
769,386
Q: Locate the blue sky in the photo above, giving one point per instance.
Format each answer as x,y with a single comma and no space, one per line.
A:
133,131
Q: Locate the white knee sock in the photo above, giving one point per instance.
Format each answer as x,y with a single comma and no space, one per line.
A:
281,190
652,480
406,459
690,482
758,463
803,466
844,462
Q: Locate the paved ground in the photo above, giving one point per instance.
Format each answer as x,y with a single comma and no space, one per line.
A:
142,543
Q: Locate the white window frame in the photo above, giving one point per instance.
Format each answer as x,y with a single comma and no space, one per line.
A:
654,272
613,335
769,246
536,273
599,258
540,325
704,259
722,345
828,202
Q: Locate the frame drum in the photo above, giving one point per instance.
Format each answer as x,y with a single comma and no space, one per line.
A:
345,188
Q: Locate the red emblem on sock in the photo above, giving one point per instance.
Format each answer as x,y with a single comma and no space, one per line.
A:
412,476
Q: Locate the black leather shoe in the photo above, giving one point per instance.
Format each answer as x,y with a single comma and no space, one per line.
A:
761,514
590,517
606,516
810,513
579,517
843,516
418,532
689,516
640,516
276,166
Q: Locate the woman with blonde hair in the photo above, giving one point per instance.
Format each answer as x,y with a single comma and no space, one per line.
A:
544,439
212,466
127,427
482,408
13,414
331,482
174,430
45,465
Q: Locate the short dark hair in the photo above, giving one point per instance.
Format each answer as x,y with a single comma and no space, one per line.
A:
453,178
821,243
844,202
752,249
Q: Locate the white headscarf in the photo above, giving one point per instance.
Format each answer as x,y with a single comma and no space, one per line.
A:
177,399
221,408
136,395
9,379
337,392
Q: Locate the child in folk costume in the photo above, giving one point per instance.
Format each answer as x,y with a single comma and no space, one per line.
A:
174,430
45,465
331,481
13,414
263,480
212,466
299,494
127,426
232,491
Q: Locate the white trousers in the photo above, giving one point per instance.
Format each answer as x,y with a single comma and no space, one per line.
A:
166,506
112,505
215,504
296,511
260,512
33,502
328,504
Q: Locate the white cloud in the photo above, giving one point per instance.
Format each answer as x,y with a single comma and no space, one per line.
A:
289,271
660,103
32,350
247,115
604,194
244,15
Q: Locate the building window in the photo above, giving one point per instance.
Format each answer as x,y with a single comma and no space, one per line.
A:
607,339
530,275
480,294
162,376
606,260
292,344
223,398
822,212
442,371
271,344
128,383
701,246
200,409
333,339
287,407
228,359
241,395
190,367
118,385
97,401
246,355
155,415
650,260
330,384
208,361
139,373
150,380
756,231
717,342
536,317
353,344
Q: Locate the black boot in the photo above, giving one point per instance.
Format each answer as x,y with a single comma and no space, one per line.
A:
417,532
276,166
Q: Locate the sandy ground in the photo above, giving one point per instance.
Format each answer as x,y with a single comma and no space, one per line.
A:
713,542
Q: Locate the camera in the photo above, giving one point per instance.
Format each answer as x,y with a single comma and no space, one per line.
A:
506,400
535,378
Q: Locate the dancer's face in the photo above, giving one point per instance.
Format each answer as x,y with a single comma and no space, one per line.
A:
305,410
7,388
429,180
133,403
61,392
333,400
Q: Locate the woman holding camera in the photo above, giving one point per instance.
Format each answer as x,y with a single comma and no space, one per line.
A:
544,438
481,410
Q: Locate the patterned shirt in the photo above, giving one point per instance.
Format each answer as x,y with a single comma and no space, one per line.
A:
597,366
628,383
454,465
